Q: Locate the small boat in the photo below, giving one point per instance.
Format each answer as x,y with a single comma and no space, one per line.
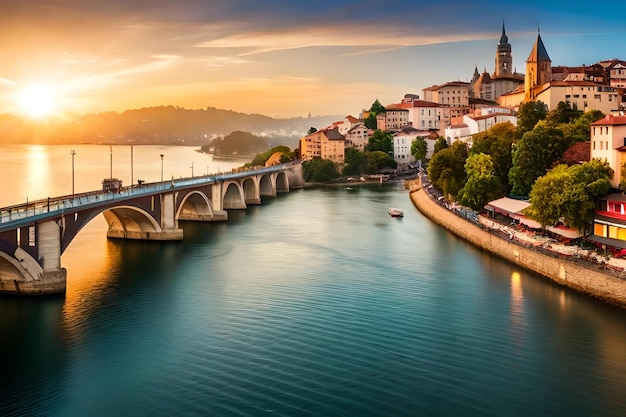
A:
394,212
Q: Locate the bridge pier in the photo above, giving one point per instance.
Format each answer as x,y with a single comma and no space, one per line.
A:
21,273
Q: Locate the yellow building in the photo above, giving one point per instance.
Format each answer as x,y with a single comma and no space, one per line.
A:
325,143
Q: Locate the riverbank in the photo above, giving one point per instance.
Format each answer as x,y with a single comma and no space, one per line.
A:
598,279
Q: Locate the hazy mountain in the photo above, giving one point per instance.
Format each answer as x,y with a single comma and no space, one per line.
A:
159,125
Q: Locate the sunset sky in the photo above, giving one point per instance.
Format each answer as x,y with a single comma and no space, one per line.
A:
275,57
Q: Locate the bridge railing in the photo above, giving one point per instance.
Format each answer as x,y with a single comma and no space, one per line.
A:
65,203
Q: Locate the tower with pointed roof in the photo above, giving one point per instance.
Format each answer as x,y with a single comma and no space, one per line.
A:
538,68
504,60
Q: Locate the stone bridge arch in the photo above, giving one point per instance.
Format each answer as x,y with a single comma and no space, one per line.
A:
195,206
128,222
251,192
233,197
282,182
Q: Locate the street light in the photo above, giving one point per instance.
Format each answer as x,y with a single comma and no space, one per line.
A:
162,167
72,152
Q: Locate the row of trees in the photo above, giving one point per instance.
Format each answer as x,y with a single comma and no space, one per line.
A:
531,159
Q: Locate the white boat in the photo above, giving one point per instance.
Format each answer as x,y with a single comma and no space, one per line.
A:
394,212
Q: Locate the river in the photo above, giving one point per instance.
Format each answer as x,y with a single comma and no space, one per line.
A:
314,303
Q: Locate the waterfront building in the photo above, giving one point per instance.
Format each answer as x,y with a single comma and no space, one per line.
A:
402,141
332,145
358,136
608,143
609,223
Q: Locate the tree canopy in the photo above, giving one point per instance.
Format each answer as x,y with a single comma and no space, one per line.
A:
376,108
380,141
497,142
440,144
482,185
319,170
569,193
355,162
446,169
534,155
529,114
378,160
419,148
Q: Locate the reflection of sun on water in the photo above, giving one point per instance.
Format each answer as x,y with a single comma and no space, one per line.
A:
37,181
517,306
91,262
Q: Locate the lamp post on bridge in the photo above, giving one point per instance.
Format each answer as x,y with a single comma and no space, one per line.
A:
72,152
162,167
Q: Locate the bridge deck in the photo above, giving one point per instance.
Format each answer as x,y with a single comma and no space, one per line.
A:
14,216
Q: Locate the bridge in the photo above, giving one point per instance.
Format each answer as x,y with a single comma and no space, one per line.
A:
33,236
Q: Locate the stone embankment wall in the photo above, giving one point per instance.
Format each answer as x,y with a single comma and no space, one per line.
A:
591,279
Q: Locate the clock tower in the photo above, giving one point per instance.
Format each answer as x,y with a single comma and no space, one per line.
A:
504,61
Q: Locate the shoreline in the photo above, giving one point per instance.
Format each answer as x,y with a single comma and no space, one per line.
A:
592,279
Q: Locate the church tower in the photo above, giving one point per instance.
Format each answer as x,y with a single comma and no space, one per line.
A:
504,61
538,68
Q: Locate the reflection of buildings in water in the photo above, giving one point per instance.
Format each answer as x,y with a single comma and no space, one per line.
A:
517,308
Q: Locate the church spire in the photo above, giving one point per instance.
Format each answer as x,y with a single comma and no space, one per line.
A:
504,60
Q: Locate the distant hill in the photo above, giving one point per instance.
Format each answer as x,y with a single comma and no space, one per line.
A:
158,125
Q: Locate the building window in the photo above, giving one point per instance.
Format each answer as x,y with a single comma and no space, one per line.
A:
597,97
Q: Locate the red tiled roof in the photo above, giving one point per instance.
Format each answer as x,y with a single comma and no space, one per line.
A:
609,119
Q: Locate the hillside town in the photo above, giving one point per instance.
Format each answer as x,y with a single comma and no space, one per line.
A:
456,112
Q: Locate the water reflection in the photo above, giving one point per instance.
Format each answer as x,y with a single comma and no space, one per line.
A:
36,178
517,308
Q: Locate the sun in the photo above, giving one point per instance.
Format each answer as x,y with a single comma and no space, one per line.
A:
38,101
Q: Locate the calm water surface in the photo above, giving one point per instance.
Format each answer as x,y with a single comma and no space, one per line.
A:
314,303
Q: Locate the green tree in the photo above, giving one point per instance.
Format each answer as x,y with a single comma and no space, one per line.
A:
319,170
562,114
446,169
419,148
380,141
376,107
440,144
355,162
579,130
482,185
378,160
311,131
529,114
497,142
570,193
370,121
534,155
